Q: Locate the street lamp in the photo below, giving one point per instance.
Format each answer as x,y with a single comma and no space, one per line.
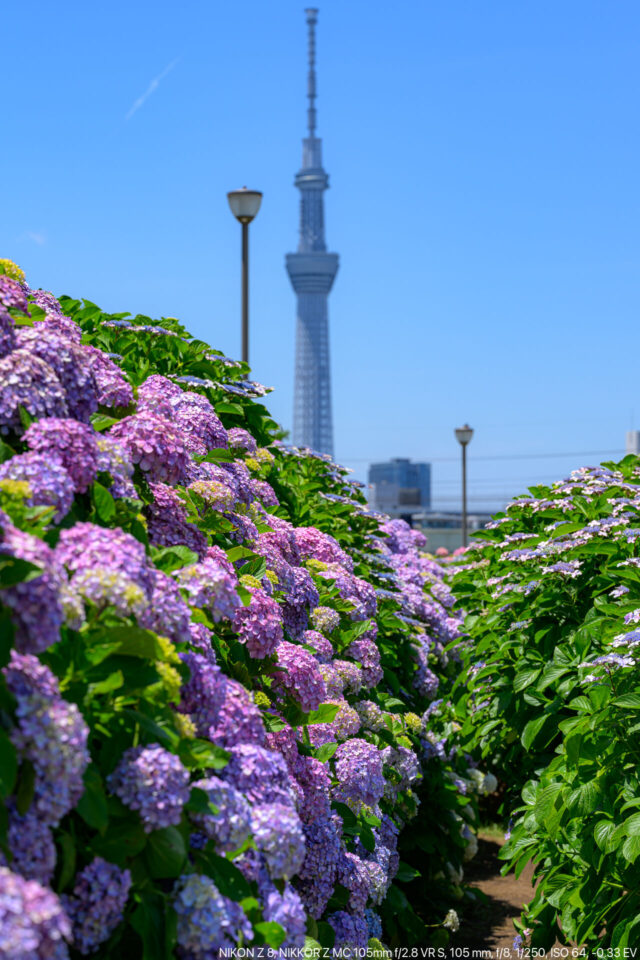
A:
463,436
244,206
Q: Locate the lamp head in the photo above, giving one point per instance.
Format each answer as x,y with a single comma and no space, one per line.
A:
464,434
244,204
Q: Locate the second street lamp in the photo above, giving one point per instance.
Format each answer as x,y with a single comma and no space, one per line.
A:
463,436
244,206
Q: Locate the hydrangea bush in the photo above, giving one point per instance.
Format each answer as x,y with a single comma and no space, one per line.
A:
551,694
220,672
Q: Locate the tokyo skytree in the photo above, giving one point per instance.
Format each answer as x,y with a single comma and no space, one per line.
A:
312,271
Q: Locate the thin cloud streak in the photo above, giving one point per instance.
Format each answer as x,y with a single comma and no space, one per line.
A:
153,86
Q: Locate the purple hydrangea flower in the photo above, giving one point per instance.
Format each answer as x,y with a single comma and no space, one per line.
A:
167,612
285,908
358,592
325,619
152,781
322,646
97,904
113,459
155,396
207,921
260,774
107,566
301,596
12,296
209,585
353,874
68,361
358,770
374,924
168,524
231,825
366,653
27,381
346,722
201,637
32,848
299,674
36,604
405,765
317,877
71,443
313,778
202,695
265,493
371,715
259,625
155,445
238,720
49,482
351,932
321,546
194,414
350,675
32,922
240,439
51,734
113,389
278,835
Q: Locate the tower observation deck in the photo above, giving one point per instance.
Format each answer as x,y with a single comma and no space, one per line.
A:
312,271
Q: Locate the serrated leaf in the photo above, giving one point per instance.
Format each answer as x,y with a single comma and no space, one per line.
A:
272,932
165,853
629,700
525,678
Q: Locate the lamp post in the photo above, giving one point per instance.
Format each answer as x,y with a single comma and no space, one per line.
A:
463,436
244,206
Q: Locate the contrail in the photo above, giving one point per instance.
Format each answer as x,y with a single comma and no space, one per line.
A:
150,89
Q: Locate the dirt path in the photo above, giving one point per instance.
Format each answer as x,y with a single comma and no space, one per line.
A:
489,925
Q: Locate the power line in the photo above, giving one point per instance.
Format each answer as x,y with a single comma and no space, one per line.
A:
506,456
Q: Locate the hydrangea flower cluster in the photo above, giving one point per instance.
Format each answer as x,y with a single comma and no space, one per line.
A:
32,920
207,921
230,826
152,781
259,625
299,674
71,444
49,483
51,734
96,905
155,445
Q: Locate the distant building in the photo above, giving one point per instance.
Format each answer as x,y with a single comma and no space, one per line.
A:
633,442
400,488
444,529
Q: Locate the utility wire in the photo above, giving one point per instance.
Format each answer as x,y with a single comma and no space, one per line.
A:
505,456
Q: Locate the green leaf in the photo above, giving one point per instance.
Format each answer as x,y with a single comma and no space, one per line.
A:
272,932
113,682
406,873
629,700
13,571
525,678
8,765
92,805
325,752
632,825
26,787
325,713
585,799
602,833
67,846
103,502
124,838
631,849
148,922
201,754
165,853
532,730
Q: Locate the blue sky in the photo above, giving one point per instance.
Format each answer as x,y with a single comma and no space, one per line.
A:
484,202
